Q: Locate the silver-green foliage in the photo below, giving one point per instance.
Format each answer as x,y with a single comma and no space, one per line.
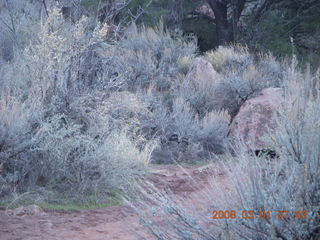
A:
288,182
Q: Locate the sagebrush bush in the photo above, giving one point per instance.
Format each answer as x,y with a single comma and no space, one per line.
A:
18,122
211,130
191,100
88,163
186,63
20,22
224,59
73,62
185,136
63,124
289,182
152,56
241,76
61,156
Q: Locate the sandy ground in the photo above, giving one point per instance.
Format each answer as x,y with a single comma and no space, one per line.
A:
118,222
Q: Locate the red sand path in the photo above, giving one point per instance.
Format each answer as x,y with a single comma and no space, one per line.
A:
118,222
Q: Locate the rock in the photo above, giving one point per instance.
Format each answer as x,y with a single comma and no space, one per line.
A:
202,72
256,117
199,86
28,210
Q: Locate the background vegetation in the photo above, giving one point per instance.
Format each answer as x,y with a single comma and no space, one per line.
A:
92,92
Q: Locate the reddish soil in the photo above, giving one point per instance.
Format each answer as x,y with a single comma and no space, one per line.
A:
118,222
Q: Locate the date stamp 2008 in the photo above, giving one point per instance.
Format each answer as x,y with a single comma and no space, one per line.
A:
263,215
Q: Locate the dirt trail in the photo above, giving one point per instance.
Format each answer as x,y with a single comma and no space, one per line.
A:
118,222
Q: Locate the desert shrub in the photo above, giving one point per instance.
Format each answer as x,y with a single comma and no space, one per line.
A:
291,182
241,77
225,59
20,23
210,131
64,126
74,120
69,60
257,184
87,163
67,136
144,56
121,109
237,60
191,102
18,123
186,63
62,157
65,62
187,137
152,56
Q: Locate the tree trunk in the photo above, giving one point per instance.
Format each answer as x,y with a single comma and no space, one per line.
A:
224,29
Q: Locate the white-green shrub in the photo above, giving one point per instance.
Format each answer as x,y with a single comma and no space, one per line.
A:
288,182
185,136
152,56
241,76
62,125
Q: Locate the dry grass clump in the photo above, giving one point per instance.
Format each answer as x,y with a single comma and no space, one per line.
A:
224,58
186,63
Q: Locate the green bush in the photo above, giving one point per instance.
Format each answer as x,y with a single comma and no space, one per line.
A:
292,28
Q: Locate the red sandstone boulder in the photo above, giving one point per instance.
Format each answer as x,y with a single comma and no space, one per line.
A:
256,117
202,72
